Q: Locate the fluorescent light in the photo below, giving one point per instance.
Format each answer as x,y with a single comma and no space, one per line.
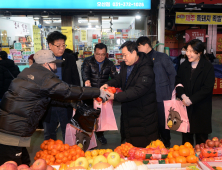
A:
36,18
138,17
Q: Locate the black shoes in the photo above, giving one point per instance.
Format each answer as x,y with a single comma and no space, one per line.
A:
102,139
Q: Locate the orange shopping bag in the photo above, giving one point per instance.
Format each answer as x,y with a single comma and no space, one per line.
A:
106,120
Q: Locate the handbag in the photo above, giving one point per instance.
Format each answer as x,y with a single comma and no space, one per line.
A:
176,114
85,117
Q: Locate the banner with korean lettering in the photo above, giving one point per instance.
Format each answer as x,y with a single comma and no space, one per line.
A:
68,32
37,38
191,34
198,18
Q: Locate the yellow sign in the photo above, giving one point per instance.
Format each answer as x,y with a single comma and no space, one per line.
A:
37,38
4,38
68,32
198,18
83,35
6,50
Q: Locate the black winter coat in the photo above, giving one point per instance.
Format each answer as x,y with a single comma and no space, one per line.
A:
70,75
199,89
138,99
24,104
90,71
6,67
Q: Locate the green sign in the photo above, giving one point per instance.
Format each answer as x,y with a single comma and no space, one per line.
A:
18,46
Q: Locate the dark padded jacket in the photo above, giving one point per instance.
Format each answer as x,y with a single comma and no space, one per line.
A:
90,71
28,96
7,70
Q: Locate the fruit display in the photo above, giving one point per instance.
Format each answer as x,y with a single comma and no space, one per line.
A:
56,153
109,89
96,152
182,154
156,144
215,142
124,149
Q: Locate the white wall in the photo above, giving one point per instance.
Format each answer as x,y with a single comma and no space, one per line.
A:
13,30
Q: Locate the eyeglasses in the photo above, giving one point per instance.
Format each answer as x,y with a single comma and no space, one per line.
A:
61,46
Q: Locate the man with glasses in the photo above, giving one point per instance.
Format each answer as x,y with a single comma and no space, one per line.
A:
67,72
96,70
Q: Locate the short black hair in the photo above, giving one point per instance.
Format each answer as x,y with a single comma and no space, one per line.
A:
56,35
130,45
197,45
100,46
67,50
143,40
3,55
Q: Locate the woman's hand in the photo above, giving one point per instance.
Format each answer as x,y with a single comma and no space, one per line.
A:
105,86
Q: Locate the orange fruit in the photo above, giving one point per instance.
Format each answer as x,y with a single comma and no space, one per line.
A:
184,151
192,159
172,160
176,147
182,146
181,159
170,155
171,149
188,145
94,153
87,153
176,154
191,151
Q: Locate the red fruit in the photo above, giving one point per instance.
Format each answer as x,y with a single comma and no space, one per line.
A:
49,167
113,89
215,139
220,145
206,146
39,164
202,145
207,140
106,154
221,141
22,167
197,146
8,166
98,99
216,143
164,151
210,144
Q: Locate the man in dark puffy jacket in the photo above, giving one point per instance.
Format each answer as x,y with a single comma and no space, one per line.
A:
96,70
8,71
26,101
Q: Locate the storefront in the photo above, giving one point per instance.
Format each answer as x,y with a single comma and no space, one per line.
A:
26,35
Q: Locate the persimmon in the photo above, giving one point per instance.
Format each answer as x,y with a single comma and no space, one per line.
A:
69,157
58,142
64,159
50,146
59,161
72,152
66,153
60,155
54,152
45,147
45,142
82,153
58,146
38,155
192,159
184,151
62,148
42,146
181,159
176,154
66,147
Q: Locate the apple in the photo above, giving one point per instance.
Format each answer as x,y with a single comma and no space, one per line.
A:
82,161
197,146
49,167
220,145
113,159
22,167
220,140
210,144
39,164
13,162
206,145
106,154
216,143
72,164
198,150
8,166
215,139
121,156
98,159
202,145
207,140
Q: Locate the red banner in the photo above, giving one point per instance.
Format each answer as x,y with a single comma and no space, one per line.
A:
195,34
217,86
197,1
219,42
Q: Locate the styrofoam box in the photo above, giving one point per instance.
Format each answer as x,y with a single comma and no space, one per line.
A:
208,165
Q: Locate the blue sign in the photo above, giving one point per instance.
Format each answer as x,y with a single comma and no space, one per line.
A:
75,4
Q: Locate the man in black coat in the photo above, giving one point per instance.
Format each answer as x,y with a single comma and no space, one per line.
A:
164,77
67,72
8,71
26,101
139,114
96,70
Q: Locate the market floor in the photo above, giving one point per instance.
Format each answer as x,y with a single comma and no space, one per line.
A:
113,137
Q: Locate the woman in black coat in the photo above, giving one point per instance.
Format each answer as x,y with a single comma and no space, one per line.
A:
197,76
8,71
138,99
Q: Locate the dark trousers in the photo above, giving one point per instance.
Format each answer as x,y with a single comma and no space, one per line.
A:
14,153
89,102
122,131
58,114
163,133
199,137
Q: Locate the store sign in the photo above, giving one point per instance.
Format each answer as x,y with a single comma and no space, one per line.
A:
83,35
74,4
6,50
197,1
219,42
68,32
198,18
195,34
217,86
37,38
18,46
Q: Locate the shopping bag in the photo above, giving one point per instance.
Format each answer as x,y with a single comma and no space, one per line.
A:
70,137
176,114
106,120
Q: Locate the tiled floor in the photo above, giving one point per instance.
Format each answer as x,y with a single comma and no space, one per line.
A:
113,137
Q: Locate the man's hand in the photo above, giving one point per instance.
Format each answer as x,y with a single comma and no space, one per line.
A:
87,83
111,97
105,86
105,95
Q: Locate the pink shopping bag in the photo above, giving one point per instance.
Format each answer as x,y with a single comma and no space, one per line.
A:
176,114
106,119
70,137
